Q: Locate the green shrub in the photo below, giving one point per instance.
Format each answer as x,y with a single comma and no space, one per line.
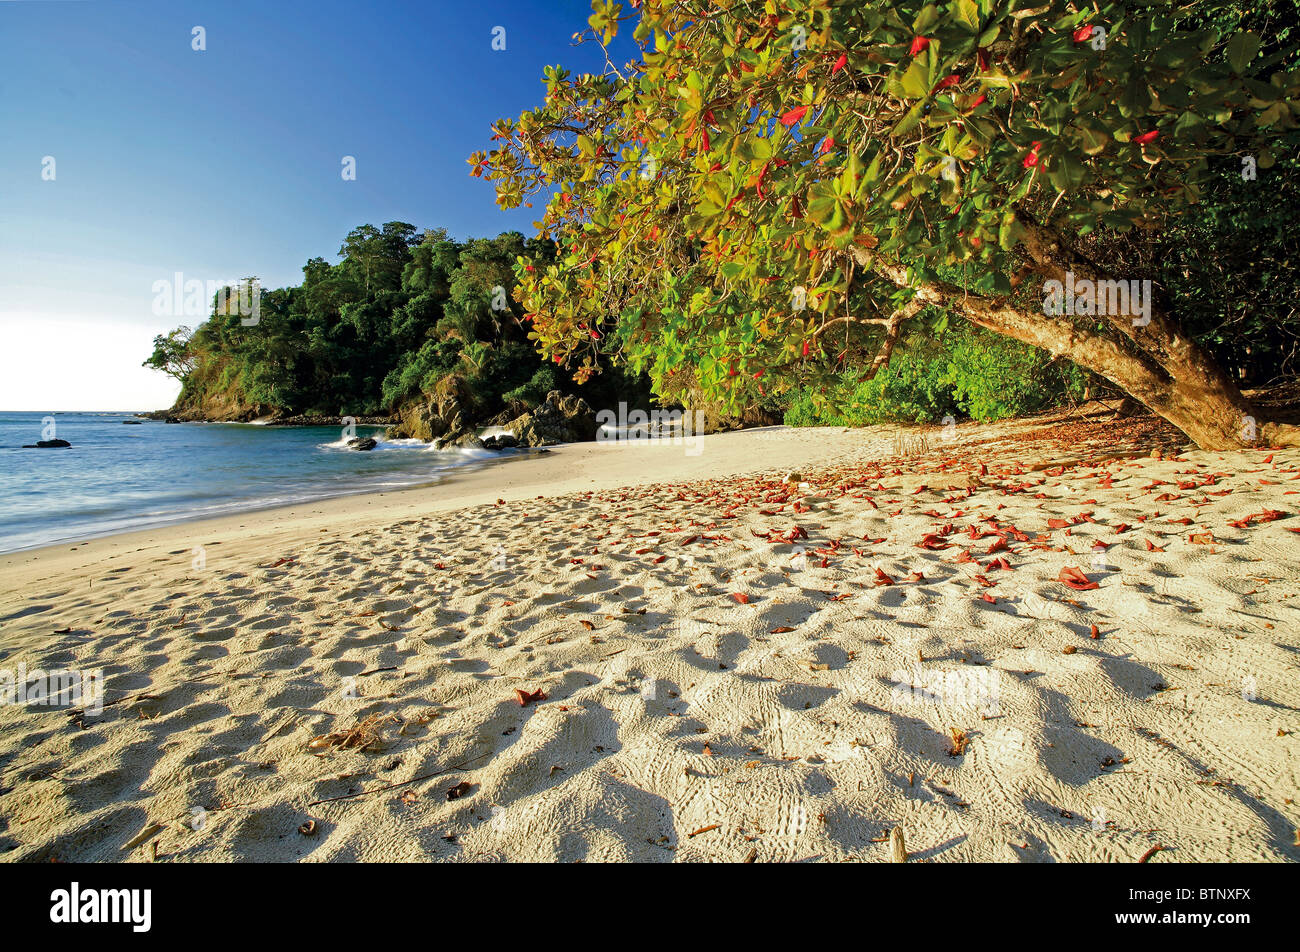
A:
967,372
536,389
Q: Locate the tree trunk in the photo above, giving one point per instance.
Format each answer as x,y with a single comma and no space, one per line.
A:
1179,382
1193,391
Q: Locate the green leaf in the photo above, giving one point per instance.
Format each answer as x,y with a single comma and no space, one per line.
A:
927,18
1135,100
1242,48
967,13
915,83
1094,139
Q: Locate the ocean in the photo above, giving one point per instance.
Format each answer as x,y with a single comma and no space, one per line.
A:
118,477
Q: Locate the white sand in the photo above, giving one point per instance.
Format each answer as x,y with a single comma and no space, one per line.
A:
673,708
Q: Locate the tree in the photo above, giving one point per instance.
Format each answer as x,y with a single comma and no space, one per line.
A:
772,192
172,354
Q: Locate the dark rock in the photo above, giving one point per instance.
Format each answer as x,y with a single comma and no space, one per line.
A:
362,443
514,409
459,440
46,445
715,422
501,441
560,418
132,422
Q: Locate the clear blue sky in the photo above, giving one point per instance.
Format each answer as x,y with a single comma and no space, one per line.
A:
225,163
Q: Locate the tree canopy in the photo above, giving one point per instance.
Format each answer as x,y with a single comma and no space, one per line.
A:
771,192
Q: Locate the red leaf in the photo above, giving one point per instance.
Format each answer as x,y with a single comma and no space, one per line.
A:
1146,137
740,597
883,579
1082,33
919,43
947,81
1032,158
794,115
528,697
1074,577
1268,515
840,63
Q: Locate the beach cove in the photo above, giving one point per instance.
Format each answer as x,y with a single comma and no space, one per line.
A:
780,648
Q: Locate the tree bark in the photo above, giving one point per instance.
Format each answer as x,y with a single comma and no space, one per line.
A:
1177,381
1204,400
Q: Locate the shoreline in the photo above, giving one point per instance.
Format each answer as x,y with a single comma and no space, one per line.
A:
467,466
466,485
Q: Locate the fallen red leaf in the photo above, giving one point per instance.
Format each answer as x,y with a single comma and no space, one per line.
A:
1074,577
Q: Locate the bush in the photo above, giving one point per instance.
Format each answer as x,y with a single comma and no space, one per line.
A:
968,372
536,389
419,371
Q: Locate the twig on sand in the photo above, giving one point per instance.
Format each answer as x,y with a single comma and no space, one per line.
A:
898,852
1151,852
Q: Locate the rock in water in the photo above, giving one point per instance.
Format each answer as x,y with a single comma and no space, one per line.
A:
46,445
362,443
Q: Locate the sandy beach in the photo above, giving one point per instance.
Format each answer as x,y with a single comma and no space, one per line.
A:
629,652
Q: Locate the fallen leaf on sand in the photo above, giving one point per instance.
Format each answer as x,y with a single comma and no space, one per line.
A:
458,791
1073,576
740,597
526,697
959,742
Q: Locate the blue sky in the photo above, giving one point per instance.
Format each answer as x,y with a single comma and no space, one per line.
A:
226,162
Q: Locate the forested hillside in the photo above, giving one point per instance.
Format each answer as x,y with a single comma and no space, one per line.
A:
402,311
